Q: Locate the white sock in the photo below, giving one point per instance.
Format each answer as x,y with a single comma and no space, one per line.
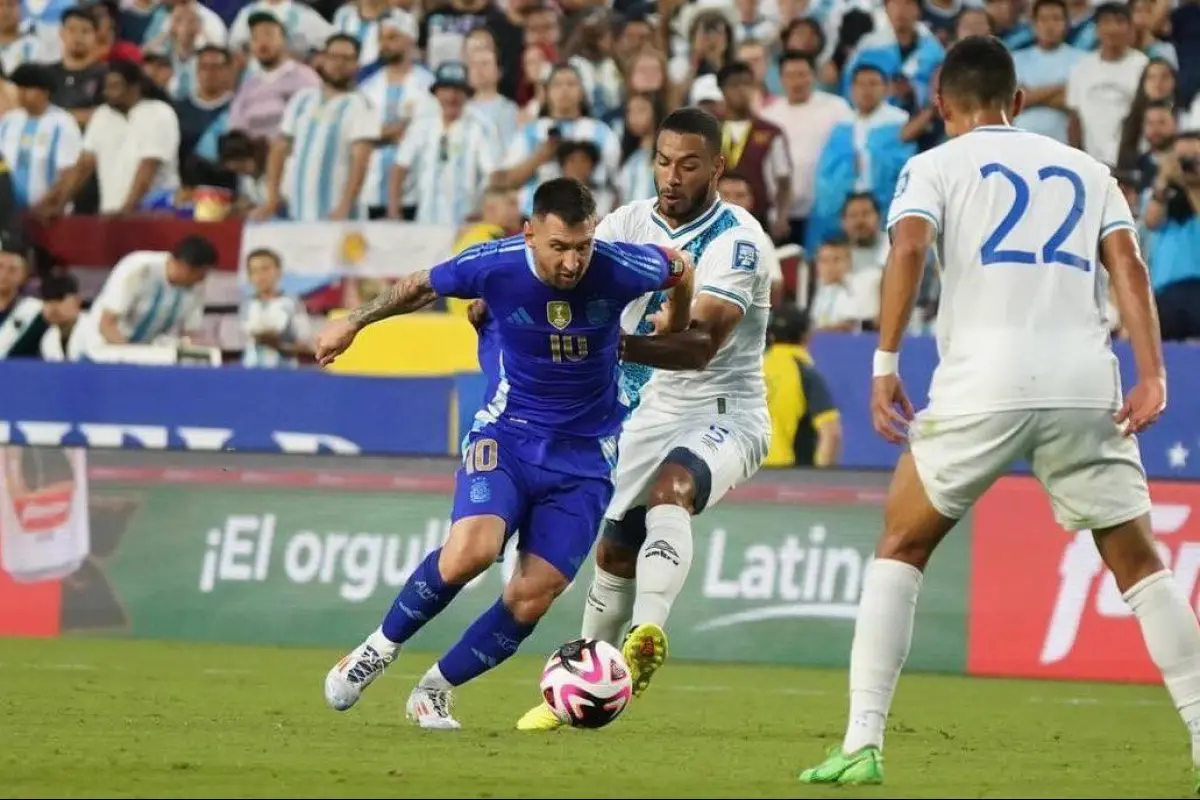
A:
1173,639
882,637
663,563
608,607
435,679
383,645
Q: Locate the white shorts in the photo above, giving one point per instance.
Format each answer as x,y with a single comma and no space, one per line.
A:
1091,472
732,445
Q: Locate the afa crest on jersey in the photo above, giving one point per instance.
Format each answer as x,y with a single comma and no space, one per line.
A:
558,313
745,256
598,312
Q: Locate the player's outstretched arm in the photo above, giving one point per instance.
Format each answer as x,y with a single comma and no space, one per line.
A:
1139,314
711,322
409,294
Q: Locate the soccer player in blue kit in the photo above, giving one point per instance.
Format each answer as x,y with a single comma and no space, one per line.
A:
540,455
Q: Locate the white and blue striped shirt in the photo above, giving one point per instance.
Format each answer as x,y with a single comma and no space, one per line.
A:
281,315
501,112
452,163
323,131
38,150
583,129
26,48
393,102
145,303
307,30
349,21
635,181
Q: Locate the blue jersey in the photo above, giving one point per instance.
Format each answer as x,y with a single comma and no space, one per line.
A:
557,368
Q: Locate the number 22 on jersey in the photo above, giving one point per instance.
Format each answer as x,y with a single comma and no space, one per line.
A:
1052,252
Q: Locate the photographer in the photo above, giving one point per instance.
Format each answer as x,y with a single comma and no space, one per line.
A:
1175,238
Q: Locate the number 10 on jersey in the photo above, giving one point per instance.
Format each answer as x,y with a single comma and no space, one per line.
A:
567,347
1051,253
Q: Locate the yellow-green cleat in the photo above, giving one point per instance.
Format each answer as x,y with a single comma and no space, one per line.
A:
645,651
540,718
861,768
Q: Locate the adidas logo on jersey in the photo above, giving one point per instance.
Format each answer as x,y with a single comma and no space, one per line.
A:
519,317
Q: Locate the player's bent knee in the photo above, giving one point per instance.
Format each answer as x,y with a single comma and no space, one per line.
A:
684,480
529,599
473,546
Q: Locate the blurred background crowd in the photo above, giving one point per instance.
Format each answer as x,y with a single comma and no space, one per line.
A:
446,114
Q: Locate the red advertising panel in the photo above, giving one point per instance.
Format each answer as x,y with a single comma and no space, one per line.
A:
1042,603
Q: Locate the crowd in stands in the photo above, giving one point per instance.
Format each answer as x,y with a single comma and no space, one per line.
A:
450,112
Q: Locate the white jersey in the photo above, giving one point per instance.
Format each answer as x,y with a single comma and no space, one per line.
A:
728,245
148,305
1019,218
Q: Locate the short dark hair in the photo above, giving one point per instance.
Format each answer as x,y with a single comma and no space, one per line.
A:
1059,4
734,69
343,37
1118,10
979,71
59,285
565,198
75,12
854,197
735,176
1163,105
196,251
836,240
264,252
697,121
797,55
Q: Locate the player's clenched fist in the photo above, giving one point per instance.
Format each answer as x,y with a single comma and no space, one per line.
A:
333,340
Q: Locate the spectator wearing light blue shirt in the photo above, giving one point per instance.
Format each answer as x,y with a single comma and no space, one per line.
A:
909,52
1043,69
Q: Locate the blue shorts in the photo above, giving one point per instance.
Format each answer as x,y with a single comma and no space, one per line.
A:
554,491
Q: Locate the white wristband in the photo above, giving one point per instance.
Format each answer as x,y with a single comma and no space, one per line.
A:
886,363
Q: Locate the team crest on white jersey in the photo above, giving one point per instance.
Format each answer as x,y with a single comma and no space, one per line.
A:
558,313
745,256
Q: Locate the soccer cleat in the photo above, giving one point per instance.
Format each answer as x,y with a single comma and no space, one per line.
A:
540,718
350,677
429,707
862,768
645,650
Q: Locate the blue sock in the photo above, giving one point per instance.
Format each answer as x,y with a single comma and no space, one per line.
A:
421,599
491,639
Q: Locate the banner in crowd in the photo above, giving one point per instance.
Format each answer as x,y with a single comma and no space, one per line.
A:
270,557
317,254
1042,603
197,408
1170,449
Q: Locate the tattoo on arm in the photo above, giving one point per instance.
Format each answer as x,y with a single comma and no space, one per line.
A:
410,293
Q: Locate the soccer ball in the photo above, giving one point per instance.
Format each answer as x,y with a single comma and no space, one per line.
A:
586,683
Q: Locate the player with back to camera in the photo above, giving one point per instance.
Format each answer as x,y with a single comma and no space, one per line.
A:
1029,231
540,455
696,433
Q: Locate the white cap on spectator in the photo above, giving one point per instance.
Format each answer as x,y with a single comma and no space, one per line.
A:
400,20
705,89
